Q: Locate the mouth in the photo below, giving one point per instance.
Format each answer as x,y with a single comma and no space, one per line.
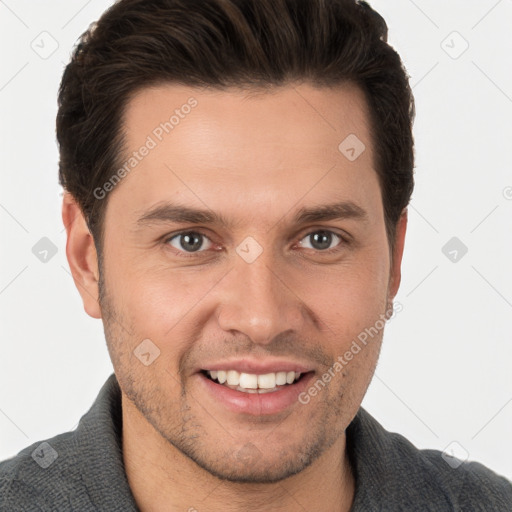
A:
254,383
254,394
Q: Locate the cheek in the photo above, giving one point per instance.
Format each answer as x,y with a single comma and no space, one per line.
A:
163,304
351,296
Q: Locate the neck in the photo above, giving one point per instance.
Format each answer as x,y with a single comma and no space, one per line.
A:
162,479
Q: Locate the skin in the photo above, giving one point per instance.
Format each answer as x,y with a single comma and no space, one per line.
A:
256,159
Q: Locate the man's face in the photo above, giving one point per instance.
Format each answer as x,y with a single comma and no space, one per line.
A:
264,291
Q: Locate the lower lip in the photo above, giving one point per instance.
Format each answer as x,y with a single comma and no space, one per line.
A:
256,404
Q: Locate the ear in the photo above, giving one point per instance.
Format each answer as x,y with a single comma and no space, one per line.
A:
81,255
396,262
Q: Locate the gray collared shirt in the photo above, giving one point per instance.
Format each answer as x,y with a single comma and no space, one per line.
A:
83,471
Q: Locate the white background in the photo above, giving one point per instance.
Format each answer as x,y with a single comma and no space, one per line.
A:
445,369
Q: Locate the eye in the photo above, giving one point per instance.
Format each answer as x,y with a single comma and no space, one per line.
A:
321,240
189,241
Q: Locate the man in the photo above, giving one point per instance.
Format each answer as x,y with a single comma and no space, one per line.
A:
236,178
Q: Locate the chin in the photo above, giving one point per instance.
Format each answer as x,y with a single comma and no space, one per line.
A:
250,465
264,474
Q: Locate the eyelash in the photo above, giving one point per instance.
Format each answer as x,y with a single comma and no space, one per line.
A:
342,242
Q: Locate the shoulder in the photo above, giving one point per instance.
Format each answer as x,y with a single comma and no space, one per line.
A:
392,471
30,479
79,470
475,487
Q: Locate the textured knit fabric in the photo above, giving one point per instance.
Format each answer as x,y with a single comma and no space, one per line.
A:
83,471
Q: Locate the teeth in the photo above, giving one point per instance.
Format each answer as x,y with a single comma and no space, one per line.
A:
267,381
233,377
280,378
248,381
290,376
252,382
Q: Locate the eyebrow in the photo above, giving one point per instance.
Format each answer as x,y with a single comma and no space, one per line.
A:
169,212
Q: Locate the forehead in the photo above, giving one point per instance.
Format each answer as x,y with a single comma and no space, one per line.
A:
234,149
278,116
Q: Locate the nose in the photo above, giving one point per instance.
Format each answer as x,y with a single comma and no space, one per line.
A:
259,301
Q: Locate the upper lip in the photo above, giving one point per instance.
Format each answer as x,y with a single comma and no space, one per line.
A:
258,367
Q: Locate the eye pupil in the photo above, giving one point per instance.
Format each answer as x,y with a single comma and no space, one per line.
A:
321,239
191,241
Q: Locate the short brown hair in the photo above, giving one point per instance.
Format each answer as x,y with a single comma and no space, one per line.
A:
228,43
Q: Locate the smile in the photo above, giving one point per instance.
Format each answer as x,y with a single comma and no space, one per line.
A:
253,383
